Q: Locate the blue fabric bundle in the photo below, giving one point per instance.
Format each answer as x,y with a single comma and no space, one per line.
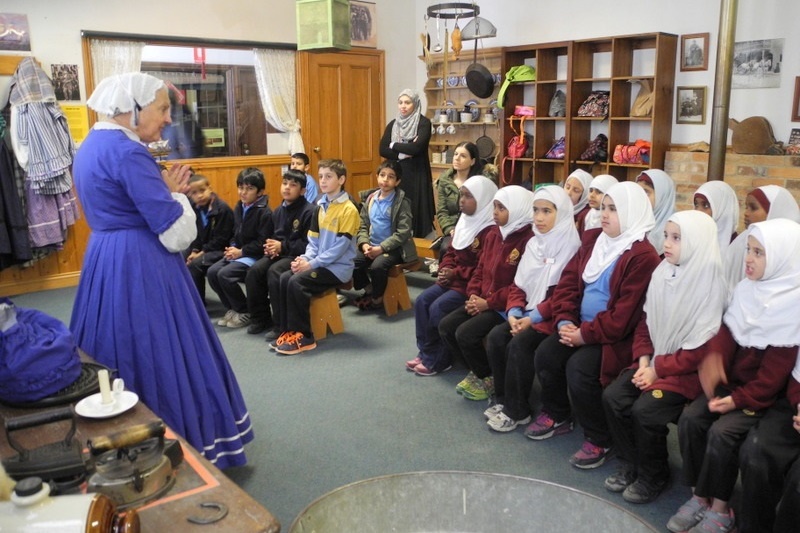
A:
38,356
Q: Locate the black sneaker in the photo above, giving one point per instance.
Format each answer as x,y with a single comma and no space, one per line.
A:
645,490
256,327
624,476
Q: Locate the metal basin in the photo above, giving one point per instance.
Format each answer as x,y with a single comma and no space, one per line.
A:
464,502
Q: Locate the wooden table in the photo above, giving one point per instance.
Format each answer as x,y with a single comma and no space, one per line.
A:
197,480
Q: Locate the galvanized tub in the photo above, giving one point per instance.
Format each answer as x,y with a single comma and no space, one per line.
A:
464,502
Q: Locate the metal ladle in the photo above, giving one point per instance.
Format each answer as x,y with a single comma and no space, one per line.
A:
438,47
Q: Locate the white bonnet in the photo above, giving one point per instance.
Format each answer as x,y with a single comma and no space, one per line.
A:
121,93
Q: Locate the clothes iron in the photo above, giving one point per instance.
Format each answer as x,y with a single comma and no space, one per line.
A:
60,462
134,466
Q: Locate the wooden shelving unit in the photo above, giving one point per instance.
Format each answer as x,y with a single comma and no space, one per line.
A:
446,89
578,68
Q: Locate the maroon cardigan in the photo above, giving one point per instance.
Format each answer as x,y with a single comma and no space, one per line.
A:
498,266
614,327
755,377
677,372
463,262
580,220
518,298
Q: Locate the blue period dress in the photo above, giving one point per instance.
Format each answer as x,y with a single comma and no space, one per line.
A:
137,309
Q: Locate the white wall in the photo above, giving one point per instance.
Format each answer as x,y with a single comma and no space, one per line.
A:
521,22
55,27
55,35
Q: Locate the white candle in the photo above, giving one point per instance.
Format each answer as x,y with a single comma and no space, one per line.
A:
105,386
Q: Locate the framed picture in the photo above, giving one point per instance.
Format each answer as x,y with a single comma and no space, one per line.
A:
363,24
757,64
794,137
694,51
690,107
796,101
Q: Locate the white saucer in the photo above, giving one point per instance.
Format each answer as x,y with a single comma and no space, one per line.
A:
91,406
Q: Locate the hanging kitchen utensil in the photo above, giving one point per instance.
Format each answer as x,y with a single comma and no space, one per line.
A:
479,80
438,47
455,38
485,145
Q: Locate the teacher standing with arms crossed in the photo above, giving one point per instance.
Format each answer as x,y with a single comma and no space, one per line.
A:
406,140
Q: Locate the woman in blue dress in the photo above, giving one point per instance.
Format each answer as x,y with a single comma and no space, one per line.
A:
136,308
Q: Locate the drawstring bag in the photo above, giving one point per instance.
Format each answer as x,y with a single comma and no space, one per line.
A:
557,150
597,150
515,74
518,144
558,104
517,147
595,105
643,104
637,153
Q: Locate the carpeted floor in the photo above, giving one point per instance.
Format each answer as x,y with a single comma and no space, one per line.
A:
349,411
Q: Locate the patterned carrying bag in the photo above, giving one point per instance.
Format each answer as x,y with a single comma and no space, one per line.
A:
597,150
557,150
596,105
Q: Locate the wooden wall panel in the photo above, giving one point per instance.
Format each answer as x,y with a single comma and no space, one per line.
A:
62,268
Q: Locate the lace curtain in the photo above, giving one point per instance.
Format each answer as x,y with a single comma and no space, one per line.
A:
275,75
114,57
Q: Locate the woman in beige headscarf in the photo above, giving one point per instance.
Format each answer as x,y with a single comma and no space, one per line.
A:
406,140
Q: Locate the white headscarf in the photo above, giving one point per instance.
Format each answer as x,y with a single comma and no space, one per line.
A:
585,178
519,203
405,128
665,204
635,220
601,183
685,302
120,94
781,205
764,312
469,226
724,209
546,254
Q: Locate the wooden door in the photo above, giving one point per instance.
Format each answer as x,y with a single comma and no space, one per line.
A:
341,111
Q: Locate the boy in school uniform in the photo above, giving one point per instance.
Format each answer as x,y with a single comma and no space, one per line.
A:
299,161
327,262
214,219
253,224
385,236
291,221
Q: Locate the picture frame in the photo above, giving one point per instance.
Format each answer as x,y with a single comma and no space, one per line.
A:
690,105
694,51
794,137
796,101
363,24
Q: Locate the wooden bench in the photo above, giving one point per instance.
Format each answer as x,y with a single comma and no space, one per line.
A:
325,312
424,248
396,295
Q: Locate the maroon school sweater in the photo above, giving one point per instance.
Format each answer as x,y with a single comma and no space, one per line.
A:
614,327
463,262
498,266
755,377
677,372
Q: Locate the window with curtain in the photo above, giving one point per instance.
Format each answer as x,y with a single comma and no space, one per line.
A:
216,106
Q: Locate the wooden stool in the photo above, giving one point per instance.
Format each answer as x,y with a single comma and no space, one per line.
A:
396,294
325,312
424,248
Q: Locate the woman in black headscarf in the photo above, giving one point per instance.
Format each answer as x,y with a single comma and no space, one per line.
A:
406,140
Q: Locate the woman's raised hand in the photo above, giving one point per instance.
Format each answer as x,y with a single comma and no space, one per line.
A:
177,178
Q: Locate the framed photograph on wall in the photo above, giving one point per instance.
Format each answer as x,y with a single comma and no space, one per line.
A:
363,24
796,101
694,51
690,106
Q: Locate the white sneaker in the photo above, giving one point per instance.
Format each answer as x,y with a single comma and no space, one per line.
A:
493,410
228,316
239,320
503,424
